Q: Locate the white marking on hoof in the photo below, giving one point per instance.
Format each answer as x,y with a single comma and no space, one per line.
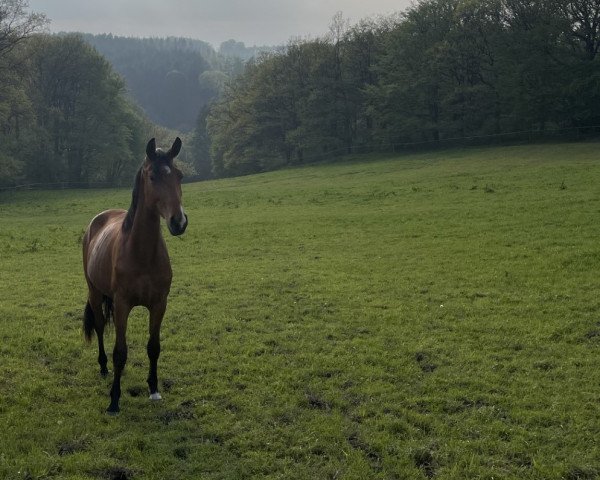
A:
155,396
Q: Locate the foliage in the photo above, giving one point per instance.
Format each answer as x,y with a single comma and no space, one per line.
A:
442,69
428,316
64,117
200,147
285,107
17,24
91,133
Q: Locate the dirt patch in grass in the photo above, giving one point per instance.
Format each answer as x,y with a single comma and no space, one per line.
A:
73,446
370,453
593,334
316,401
168,384
115,473
582,473
137,391
425,460
183,412
425,363
181,453
172,415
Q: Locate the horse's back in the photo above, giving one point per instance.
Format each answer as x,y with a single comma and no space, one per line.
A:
98,247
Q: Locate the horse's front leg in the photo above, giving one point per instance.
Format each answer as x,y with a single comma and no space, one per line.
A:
121,312
156,315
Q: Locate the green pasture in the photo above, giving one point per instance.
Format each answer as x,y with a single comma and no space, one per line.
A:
427,316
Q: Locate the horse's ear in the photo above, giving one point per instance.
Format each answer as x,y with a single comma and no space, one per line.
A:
174,151
151,149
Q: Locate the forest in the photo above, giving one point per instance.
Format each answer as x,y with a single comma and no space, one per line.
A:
64,115
75,109
442,70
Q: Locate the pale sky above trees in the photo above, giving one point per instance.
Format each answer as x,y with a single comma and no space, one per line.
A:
254,22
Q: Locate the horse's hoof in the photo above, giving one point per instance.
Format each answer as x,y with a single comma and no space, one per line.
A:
155,396
104,373
112,411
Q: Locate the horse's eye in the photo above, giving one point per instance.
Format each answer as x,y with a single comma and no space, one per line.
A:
152,177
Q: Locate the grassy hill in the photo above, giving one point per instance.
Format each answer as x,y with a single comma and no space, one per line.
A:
432,315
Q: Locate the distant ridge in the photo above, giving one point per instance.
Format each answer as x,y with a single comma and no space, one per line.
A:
168,76
162,74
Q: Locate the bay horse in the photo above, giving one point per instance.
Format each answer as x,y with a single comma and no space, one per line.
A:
126,263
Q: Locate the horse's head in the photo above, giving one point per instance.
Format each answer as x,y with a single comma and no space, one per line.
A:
162,185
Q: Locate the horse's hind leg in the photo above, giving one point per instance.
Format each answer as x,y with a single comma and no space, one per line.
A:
95,304
121,312
153,348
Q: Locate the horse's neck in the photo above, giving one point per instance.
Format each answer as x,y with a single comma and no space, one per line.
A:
145,238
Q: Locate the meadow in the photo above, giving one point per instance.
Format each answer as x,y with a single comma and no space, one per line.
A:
432,315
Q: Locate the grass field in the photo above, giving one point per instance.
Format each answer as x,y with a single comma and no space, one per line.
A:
428,316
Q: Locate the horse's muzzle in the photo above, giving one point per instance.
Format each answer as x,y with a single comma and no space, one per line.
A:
178,224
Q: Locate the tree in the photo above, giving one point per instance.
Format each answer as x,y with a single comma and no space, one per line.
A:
407,101
82,116
200,147
472,63
582,23
16,111
17,24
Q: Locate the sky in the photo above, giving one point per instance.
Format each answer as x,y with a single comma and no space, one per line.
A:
254,22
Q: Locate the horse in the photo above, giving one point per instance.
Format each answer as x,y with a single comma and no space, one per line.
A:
126,263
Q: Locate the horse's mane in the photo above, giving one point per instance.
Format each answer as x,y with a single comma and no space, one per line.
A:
128,222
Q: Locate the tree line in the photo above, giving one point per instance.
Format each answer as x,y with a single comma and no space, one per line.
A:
65,117
441,69
77,109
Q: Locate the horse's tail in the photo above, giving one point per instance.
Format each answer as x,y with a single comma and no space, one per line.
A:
107,304
89,320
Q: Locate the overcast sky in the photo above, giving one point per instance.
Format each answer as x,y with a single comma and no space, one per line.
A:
254,22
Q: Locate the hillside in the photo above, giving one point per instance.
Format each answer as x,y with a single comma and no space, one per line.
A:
163,75
173,78
430,315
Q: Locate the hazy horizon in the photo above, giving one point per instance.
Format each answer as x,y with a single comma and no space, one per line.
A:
259,22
